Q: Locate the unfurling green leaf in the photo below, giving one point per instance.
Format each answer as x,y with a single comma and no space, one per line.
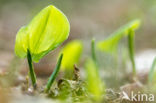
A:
94,83
47,30
110,44
72,52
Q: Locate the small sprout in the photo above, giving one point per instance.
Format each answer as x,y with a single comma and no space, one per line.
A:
72,52
110,44
94,83
47,30
152,73
54,74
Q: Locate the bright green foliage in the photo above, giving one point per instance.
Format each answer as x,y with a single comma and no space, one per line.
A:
72,52
110,44
94,83
152,73
47,30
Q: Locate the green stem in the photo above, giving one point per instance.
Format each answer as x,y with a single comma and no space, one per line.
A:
31,69
93,50
131,50
152,72
54,74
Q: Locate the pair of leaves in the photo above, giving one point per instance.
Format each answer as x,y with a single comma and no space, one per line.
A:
110,44
45,32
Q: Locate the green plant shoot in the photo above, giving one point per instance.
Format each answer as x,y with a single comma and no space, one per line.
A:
72,52
47,30
94,83
110,44
131,49
54,74
152,73
31,70
93,50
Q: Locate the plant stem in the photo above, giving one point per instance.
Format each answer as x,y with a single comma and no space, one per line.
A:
152,72
93,50
131,50
54,74
31,69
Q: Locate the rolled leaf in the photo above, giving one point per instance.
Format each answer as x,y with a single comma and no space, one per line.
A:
47,30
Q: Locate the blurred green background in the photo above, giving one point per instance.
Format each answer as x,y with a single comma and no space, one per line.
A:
88,18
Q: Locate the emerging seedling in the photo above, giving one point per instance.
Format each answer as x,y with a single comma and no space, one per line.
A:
47,30
110,44
54,74
94,82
